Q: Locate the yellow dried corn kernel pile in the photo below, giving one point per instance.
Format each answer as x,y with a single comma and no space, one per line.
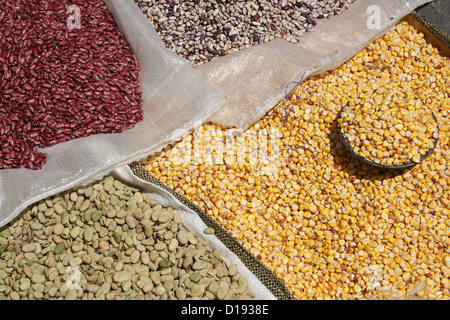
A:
388,127
328,225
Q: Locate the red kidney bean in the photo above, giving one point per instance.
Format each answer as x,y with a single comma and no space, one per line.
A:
58,84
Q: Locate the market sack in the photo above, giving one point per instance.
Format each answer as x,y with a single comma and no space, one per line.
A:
175,99
153,244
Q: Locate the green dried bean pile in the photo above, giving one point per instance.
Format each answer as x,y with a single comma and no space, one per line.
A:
109,241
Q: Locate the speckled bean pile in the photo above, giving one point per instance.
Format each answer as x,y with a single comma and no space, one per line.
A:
201,30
